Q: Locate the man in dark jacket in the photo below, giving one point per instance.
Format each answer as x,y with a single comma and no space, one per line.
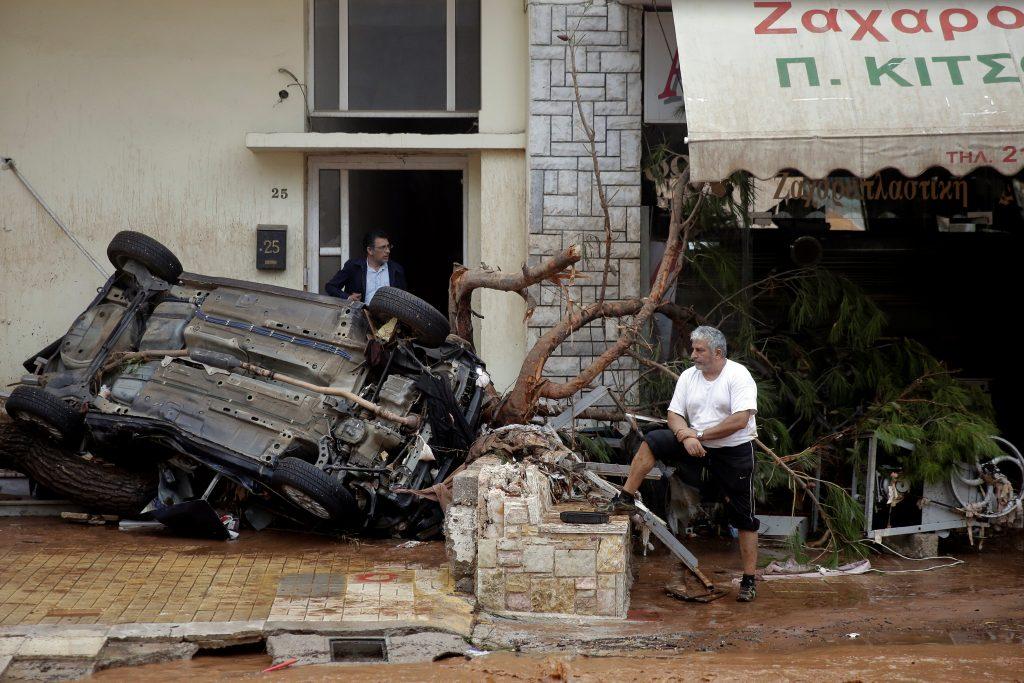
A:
361,277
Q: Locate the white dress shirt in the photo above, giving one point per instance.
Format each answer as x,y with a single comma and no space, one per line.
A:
375,279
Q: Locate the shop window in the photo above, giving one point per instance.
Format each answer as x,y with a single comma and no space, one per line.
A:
395,57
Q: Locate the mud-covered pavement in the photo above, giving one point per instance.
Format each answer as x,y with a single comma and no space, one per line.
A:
980,601
55,573
964,620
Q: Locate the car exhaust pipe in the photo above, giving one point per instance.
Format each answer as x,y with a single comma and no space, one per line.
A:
412,421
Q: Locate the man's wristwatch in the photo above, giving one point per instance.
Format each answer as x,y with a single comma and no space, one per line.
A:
700,435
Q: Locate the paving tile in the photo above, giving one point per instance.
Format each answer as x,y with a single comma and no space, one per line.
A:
90,576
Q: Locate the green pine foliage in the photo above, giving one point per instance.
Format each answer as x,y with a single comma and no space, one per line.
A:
846,522
827,377
596,449
826,369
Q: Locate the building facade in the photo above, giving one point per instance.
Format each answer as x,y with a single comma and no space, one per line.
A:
449,123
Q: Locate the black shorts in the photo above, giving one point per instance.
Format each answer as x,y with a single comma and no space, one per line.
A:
726,472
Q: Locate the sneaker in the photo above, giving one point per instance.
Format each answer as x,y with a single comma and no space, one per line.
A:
748,591
621,504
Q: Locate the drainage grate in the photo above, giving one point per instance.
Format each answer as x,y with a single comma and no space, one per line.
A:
358,649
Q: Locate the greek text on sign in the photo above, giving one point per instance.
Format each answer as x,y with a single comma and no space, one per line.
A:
918,71
870,85
874,23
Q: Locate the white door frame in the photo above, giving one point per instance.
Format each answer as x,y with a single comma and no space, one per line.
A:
363,162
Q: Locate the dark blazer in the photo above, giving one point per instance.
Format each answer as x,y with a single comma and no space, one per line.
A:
351,279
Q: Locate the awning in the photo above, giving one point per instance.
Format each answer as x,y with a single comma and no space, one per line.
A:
816,87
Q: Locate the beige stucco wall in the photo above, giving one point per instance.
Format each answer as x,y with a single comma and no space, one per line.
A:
501,179
501,335
504,66
131,114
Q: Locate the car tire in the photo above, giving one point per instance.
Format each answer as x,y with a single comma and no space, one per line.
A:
160,261
428,324
583,517
43,412
309,488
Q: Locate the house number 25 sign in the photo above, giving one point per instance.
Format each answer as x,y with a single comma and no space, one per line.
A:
271,247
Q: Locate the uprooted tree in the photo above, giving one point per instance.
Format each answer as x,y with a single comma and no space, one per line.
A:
521,401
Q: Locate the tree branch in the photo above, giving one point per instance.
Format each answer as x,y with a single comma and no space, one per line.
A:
530,386
464,281
654,364
668,271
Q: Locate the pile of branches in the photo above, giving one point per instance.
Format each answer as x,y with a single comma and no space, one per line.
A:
828,375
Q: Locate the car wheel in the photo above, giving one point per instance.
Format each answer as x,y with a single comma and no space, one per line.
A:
309,488
428,324
155,257
43,412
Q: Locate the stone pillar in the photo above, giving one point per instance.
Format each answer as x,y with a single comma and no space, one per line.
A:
564,208
461,526
529,561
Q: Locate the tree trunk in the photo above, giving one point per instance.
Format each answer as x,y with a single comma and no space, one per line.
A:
465,281
520,404
95,485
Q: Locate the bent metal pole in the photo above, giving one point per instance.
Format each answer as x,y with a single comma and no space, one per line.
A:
8,163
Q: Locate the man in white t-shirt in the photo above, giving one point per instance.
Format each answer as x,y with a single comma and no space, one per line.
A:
710,439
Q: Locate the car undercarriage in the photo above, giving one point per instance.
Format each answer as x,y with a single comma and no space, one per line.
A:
263,400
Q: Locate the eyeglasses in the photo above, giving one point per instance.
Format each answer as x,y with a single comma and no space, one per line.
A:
386,247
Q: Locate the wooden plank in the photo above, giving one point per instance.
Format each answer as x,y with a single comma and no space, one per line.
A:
652,522
570,413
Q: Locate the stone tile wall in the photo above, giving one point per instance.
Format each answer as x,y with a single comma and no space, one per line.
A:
564,207
526,560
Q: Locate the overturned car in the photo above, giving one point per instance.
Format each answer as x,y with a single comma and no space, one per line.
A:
257,398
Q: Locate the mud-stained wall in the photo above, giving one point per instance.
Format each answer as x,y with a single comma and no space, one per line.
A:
132,115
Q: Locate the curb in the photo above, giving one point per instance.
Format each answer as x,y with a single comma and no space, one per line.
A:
57,651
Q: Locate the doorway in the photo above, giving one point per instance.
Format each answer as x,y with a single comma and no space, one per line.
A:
420,204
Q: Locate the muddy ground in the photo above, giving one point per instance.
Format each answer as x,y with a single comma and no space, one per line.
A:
958,623
980,601
840,663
